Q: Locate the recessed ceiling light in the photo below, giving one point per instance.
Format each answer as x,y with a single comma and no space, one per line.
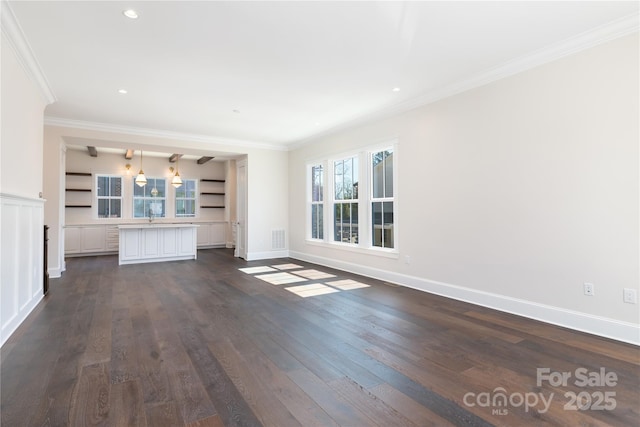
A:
122,91
130,13
396,89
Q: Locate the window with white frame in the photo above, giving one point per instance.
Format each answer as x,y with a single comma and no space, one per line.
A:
357,206
345,200
317,202
149,201
382,201
109,195
186,199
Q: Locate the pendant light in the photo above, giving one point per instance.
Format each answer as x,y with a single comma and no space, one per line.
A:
141,180
176,181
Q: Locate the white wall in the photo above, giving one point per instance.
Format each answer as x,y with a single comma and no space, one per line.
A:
21,208
22,115
513,194
268,204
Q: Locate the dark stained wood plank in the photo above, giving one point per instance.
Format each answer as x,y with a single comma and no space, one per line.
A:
214,421
124,360
55,405
227,400
260,397
338,409
163,414
379,412
98,349
127,405
411,409
151,373
199,343
191,398
91,397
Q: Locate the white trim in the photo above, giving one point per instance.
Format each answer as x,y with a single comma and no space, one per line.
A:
159,133
147,198
585,40
21,282
255,256
13,32
55,273
96,198
584,322
21,198
197,197
368,250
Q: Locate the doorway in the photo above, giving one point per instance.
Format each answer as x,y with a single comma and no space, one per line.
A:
241,221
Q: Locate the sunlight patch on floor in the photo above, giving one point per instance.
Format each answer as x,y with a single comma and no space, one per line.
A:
312,290
314,274
254,270
347,284
286,266
280,278
276,275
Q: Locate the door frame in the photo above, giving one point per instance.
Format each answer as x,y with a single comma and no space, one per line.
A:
242,202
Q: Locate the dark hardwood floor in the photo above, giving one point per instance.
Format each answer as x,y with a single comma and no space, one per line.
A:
202,343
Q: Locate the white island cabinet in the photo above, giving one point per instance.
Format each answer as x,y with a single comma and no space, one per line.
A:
157,242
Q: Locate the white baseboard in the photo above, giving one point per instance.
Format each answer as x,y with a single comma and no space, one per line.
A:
584,322
10,327
55,273
255,256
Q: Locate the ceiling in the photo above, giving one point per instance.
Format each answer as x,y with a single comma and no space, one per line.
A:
279,73
136,153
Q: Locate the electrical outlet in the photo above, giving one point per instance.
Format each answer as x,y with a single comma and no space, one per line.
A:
407,259
588,289
630,296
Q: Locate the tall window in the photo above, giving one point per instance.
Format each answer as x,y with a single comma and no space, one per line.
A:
317,205
345,206
186,199
109,194
149,201
382,199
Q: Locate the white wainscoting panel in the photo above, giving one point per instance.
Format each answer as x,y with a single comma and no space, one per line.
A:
21,259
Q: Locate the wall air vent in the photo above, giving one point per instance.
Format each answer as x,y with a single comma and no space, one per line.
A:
277,240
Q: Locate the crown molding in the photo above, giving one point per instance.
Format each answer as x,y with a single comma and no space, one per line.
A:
13,32
585,40
159,133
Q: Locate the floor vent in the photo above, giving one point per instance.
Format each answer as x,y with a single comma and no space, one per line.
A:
277,239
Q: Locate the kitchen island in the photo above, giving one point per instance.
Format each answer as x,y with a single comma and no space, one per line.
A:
157,242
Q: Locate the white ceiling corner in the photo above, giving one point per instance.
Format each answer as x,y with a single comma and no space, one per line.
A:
158,133
16,38
590,38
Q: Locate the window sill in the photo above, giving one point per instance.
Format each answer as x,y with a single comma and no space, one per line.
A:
386,253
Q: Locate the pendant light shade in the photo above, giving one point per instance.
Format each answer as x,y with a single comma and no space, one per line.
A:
176,181
141,180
